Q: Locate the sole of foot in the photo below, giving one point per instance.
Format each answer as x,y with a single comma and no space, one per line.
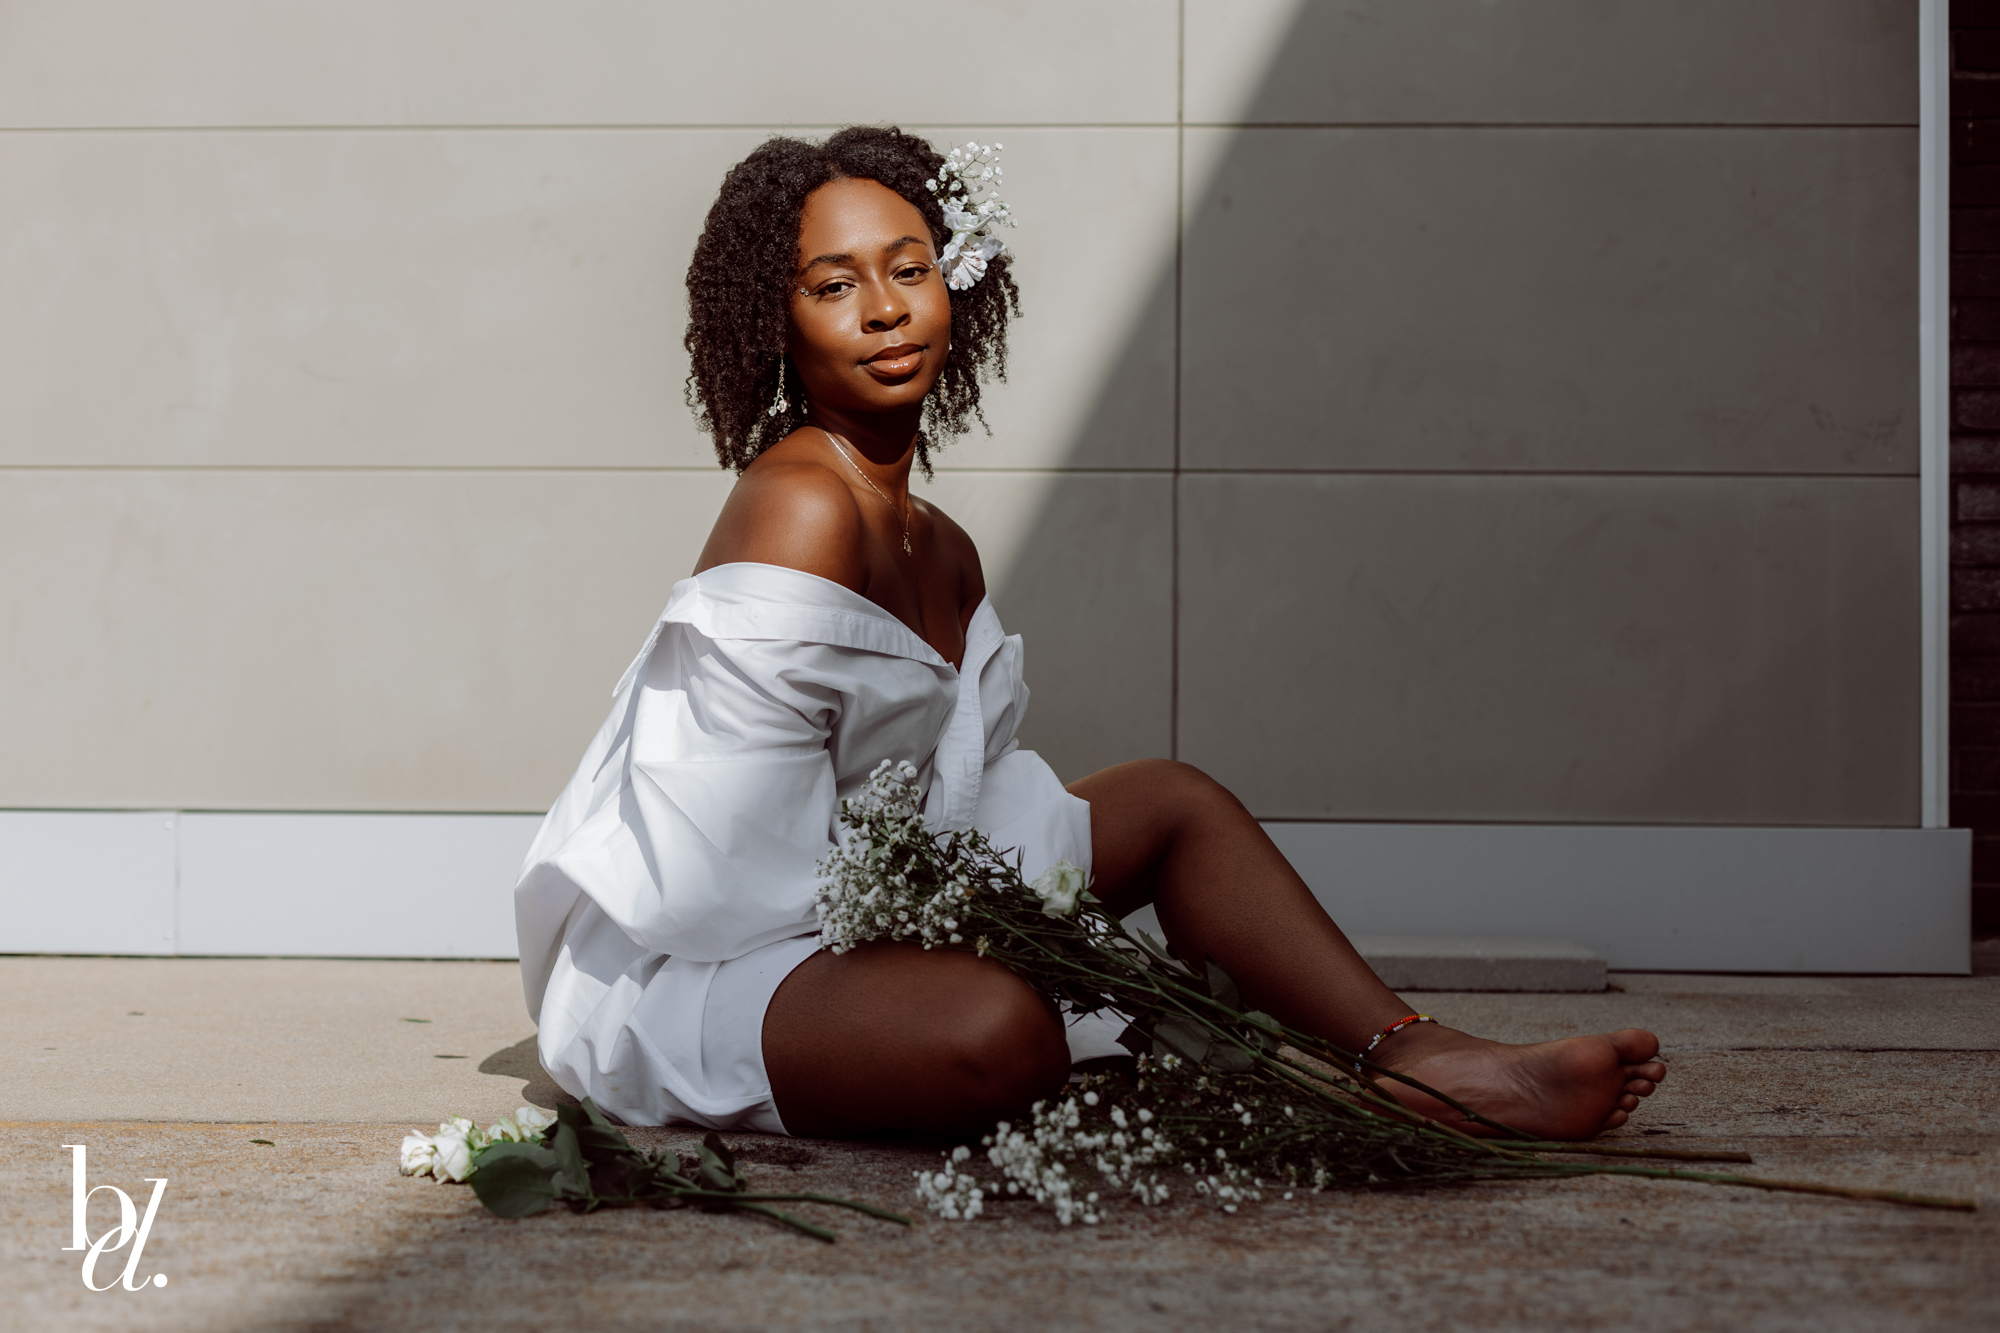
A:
1572,1089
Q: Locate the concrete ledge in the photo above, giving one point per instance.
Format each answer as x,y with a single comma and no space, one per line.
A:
440,886
1468,963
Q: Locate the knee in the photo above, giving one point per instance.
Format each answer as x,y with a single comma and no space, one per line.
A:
1183,786
1005,1047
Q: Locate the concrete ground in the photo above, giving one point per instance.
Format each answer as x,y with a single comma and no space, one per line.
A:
171,1068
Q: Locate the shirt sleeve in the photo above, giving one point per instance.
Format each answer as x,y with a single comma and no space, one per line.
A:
705,845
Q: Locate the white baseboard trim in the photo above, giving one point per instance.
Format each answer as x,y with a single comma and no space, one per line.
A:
440,886
1659,898
333,886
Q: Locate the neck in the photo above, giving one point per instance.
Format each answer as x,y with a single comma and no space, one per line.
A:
886,446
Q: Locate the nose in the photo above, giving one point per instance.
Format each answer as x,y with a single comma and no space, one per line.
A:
886,308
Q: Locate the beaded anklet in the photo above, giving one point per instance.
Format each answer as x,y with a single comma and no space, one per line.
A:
1391,1031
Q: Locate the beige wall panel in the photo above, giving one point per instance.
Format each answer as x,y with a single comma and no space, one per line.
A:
594,62
1561,61
1081,566
1566,300
432,640
1624,650
351,299
504,298
324,640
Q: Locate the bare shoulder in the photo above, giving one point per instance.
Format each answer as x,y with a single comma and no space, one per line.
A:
791,511
957,548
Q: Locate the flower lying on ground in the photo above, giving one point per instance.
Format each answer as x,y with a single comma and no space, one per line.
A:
530,1161
448,1154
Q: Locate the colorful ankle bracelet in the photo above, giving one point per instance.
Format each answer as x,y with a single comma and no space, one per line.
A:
1391,1031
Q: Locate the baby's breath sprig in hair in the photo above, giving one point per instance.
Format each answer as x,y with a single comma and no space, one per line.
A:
968,186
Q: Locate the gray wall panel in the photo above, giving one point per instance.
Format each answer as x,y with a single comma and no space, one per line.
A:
1569,300
1081,566
1592,61
1643,650
114,63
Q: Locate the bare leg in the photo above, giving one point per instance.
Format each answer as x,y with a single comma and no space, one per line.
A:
1165,833
887,1039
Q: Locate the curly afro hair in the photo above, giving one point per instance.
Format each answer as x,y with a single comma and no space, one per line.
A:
739,292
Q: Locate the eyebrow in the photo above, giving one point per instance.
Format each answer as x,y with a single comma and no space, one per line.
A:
888,249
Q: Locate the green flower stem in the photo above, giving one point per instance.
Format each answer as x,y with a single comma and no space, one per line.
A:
826,1234
856,1205
1606,1150
1784,1186
696,1192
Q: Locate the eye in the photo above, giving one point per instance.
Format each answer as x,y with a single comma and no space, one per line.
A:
833,287
913,272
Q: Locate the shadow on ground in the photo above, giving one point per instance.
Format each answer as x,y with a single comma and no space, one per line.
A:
523,1061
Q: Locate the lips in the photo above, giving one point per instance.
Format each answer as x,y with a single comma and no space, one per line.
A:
895,362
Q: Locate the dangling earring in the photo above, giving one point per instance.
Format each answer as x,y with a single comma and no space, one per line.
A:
780,403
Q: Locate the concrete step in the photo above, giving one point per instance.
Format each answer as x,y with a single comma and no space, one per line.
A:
1481,963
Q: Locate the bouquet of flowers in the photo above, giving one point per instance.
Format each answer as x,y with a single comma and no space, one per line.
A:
530,1160
1229,1101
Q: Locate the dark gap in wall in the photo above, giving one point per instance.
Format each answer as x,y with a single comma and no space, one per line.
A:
1975,445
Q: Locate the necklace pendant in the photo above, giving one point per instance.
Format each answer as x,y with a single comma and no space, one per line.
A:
906,545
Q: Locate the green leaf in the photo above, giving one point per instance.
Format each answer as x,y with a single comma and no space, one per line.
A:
608,1155
501,1151
1265,1032
718,1167
572,1173
514,1184
1223,986
1228,1058
1183,1037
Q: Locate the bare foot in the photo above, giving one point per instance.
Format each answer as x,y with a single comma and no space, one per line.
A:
1570,1089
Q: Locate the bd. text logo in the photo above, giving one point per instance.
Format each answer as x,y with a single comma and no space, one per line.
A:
131,1229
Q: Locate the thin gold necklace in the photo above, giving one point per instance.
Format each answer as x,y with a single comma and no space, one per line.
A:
905,511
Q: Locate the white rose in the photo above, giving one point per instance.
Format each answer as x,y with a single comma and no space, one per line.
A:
419,1152
474,1137
504,1130
1059,888
533,1121
453,1159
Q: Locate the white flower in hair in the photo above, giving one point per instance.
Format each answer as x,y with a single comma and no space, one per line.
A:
968,188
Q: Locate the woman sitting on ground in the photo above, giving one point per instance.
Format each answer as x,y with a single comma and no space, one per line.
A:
666,913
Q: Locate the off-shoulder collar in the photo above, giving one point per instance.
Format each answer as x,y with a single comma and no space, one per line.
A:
747,600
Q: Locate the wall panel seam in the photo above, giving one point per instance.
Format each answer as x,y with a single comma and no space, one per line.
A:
1171,472
1174,495
780,127
557,127
1551,474
1595,125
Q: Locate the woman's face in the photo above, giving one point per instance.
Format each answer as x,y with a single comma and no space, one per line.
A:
871,316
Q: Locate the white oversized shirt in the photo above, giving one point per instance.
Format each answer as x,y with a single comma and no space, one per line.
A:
689,834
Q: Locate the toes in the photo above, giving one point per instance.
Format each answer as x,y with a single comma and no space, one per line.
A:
1614,1120
1640,1087
1628,1103
1635,1045
1652,1070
